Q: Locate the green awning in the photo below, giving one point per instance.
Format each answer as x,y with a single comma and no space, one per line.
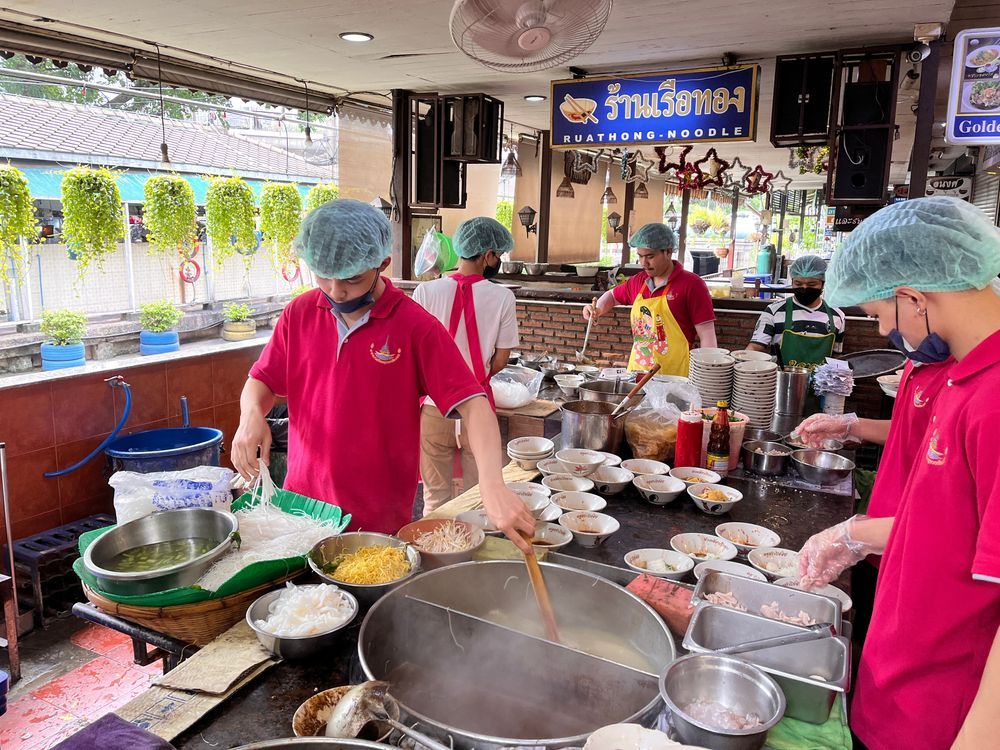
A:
44,184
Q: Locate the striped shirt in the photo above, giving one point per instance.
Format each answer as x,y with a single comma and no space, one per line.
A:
771,324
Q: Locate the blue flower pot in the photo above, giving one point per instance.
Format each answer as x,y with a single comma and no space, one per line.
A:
59,357
158,343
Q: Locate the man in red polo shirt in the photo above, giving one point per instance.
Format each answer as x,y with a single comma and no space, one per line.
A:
354,358
670,306
929,677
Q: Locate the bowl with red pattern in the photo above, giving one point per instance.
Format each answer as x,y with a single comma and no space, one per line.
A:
579,462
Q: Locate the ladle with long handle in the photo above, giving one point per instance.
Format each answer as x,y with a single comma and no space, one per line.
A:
810,633
626,404
581,356
541,594
380,713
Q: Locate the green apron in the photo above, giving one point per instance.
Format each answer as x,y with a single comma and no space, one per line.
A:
802,349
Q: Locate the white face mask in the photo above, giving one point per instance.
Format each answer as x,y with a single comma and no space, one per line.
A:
995,284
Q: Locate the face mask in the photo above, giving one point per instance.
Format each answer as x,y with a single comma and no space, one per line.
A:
490,271
807,295
931,350
353,305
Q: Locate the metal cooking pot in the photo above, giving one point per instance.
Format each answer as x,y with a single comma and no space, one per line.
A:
315,743
609,391
762,463
165,526
473,632
588,424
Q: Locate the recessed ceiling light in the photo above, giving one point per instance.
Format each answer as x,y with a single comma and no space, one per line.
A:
534,98
356,36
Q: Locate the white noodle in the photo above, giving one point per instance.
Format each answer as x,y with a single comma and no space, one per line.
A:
452,631
299,611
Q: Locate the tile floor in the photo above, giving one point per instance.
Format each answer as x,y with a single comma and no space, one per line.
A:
74,672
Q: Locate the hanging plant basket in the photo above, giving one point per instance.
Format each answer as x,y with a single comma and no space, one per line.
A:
93,219
18,212
320,194
229,209
280,216
170,215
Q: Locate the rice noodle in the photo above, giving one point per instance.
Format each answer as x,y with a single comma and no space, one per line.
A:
303,611
448,537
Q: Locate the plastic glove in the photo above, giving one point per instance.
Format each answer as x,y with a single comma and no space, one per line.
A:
819,427
830,552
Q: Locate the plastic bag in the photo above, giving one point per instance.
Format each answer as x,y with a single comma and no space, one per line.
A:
138,495
651,429
514,387
436,253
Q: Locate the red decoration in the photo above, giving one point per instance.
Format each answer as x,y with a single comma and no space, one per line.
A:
290,271
714,170
757,181
677,166
190,271
689,177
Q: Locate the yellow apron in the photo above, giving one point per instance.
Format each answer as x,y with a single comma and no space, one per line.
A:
657,337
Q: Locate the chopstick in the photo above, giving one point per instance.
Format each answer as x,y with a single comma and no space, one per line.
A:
541,594
580,109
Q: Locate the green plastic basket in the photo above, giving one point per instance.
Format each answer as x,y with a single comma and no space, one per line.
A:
248,578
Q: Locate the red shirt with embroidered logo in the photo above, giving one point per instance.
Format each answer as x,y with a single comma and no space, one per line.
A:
937,603
687,296
354,401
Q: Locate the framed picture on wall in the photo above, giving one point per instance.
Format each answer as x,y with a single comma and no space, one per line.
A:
418,228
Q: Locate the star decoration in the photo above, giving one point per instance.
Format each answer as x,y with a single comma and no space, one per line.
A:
638,168
785,182
689,177
665,166
586,163
736,173
713,168
757,181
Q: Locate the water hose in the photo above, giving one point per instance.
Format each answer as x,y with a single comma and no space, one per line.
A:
115,382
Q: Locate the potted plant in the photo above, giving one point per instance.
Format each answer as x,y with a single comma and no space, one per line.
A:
65,330
93,220
322,193
229,211
170,214
300,290
159,321
18,212
280,216
239,326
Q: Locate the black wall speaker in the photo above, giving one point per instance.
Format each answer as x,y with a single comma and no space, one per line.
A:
867,103
861,165
803,90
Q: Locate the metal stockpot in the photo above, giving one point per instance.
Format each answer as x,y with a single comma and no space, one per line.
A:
588,424
609,391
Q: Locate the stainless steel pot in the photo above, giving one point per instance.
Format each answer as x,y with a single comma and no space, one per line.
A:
512,267
763,464
762,433
295,647
473,632
166,526
822,468
608,391
790,396
588,424
315,743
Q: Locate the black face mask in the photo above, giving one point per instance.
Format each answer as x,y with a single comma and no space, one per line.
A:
807,295
490,271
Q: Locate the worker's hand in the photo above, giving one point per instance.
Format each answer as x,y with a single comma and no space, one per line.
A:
821,427
252,434
509,514
830,552
591,311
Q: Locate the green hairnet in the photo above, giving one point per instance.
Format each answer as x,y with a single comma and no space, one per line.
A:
479,235
343,238
808,267
931,244
654,237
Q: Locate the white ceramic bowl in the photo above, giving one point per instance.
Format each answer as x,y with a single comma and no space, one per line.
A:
745,355
550,513
587,369
830,591
535,501
639,466
568,384
579,462
702,547
610,480
678,564
714,507
527,464
570,501
730,567
567,483
658,489
550,536
694,475
747,536
629,737
889,384
753,371
610,459
518,487
549,466
775,562
479,518
589,529
531,447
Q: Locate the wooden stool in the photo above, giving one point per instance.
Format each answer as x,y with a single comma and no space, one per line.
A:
9,598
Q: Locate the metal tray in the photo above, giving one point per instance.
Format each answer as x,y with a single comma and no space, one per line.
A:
810,674
755,594
874,362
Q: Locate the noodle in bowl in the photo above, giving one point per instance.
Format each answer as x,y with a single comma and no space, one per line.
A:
443,542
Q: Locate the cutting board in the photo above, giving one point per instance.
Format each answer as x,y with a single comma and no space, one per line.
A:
538,408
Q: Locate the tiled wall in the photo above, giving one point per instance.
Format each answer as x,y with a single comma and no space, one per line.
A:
52,425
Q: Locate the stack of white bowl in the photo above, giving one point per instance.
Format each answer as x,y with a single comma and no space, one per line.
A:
528,451
754,388
712,374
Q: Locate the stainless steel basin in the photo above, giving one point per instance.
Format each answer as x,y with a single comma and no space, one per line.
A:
821,467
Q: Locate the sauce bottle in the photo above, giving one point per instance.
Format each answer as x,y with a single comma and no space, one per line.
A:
689,432
718,441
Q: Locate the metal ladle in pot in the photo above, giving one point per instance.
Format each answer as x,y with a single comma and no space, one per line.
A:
809,633
364,704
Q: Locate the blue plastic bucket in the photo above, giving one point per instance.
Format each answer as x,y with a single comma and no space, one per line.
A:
56,357
158,343
165,449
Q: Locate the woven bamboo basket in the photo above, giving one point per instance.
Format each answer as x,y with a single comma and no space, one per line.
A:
199,623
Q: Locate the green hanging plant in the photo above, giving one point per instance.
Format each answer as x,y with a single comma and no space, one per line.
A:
159,317
229,210
170,214
17,219
280,216
93,222
320,194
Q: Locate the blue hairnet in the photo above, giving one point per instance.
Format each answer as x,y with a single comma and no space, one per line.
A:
343,238
931,244
808,267
654,237
479,235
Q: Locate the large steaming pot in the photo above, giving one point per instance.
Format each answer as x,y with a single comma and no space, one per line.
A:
462,650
